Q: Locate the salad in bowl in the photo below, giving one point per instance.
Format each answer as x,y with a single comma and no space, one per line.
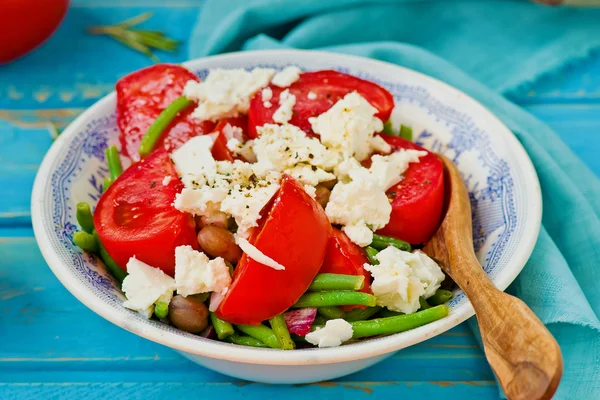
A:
250,203
268,209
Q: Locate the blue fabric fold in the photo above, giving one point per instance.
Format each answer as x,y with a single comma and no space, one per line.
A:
506,45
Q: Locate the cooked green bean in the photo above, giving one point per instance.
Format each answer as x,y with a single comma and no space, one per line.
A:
160,123
244,341
441,296
371,253
385,313
423,304
106,184
319,320
388,128
299,339
361,314
337,282
109,263
342,298
280,330
85,217
381,242
114,162
223,328
161,309
401,323
85,241
262,333
406,132
331,312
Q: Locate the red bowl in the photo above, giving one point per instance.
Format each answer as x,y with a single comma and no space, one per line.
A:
25,24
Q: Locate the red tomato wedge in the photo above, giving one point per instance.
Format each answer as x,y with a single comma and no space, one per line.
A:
328,86
220,151
136,217
345,257
142,95
418,200
295,233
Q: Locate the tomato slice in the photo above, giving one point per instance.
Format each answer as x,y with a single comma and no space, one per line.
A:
345,257
136,217
295,233
142,95
418,200
220,151
328,86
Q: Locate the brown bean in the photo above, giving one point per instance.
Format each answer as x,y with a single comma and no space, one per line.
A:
188,313
329,184
219,242
217,218
322,195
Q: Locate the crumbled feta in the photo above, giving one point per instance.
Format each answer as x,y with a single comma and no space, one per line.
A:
335,332
196,273
266,94
402,277
233,132
166,180
286,103
226,92
359,234
194,158
311,95
286,76
245,150
379,145
257,255
144,286
309,174
348,126
388,170
267,104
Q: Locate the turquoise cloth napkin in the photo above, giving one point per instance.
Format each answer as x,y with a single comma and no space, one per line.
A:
505,45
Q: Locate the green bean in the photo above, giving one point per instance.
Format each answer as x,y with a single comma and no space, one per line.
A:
109,263
385,313
337,282
342,298
330,312
114,162
371,253
162,121
280,330
262,333
401,323
299,339
423,305
85,217
244,341
406,132
388,128
85,242
361,314
106,184
441,296
381,242
161,309
319,320
223,328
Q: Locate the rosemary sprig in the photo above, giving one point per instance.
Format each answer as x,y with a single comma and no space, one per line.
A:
138,39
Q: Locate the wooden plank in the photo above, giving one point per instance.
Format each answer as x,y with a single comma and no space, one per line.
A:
326,390
53,335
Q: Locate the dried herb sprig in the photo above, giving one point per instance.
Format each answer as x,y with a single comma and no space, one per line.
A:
138,39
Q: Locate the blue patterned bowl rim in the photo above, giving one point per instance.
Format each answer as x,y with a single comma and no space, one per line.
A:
501,179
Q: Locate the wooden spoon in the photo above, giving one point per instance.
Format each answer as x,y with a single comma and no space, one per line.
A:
522,352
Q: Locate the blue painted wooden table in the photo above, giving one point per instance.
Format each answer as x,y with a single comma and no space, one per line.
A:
52,346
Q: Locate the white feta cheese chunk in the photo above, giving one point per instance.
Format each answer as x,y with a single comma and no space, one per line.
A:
145,285
388,170
348,126
309,174
226,92
245,150
266,94
257,255
286,103
334,333
166,180
194,158
286,76
280,147
402,277
359,234
379,145
196,273
311,95
233,132
267,104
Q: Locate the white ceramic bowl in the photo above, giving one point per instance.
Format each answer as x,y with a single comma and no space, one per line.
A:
501,180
